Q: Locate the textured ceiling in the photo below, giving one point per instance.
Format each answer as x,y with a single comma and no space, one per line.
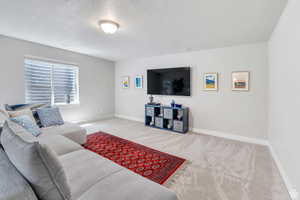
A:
148,27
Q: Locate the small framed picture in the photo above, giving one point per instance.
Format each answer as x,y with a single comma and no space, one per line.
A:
138,81
125,82
240,81
211,81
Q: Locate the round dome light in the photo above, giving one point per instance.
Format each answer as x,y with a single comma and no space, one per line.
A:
108,27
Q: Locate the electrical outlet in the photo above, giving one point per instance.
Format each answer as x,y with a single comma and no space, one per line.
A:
294,194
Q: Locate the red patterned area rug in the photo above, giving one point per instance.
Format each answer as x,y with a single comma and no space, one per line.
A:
152,164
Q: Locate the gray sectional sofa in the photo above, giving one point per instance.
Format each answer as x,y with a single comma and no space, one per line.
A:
77,174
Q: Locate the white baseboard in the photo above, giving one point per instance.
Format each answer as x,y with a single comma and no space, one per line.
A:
230,136
209,132
108,116
292,191
129,118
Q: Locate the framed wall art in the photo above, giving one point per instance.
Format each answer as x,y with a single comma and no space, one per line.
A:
211,81
125,82
240,81
138,81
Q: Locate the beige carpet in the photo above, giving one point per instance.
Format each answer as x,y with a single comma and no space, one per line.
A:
220,169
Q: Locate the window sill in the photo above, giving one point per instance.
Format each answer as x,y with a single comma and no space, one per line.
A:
64,105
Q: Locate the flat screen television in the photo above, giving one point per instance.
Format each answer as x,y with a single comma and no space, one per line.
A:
169,81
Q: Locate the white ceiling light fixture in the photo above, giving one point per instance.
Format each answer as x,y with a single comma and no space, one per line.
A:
108,26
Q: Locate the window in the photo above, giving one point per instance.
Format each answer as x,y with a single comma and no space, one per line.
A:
51,83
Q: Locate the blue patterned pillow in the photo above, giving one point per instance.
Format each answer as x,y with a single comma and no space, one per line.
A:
50,116
26,122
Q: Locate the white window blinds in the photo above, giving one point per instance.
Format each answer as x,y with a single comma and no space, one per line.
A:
51,83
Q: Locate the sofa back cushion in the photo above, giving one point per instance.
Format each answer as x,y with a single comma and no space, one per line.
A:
37,163
12,183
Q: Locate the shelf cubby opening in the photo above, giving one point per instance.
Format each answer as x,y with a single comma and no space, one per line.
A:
149,119
158,111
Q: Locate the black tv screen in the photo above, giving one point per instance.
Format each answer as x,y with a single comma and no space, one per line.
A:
170,81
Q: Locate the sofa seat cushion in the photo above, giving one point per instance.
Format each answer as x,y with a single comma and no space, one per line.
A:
72,131
12,184
84,169
60,144
127,185
94,177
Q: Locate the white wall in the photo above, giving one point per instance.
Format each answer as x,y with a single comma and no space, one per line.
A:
96,78
284,110
240,113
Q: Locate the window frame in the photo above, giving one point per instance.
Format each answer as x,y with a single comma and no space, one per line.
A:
51,63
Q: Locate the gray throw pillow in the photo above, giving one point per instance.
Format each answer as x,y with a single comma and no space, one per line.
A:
37,163
28,124
50,116
27,112
32,107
